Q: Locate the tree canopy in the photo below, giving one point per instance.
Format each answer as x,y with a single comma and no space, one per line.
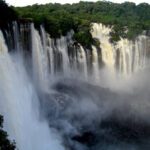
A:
7,14
127,19
5,144
59,19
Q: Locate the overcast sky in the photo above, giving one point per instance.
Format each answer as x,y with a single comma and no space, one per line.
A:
30,2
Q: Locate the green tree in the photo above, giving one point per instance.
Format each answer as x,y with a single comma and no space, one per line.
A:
5,143
127,19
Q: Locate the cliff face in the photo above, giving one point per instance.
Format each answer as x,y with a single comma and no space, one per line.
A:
64,55
126,56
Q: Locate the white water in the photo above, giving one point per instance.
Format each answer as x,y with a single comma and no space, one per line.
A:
50,56
62,48
95,63
16,36
82,59
19,105
102,33
19,97
132,54
39,59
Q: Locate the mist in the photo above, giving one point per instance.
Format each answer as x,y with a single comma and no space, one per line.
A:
60,96
101,116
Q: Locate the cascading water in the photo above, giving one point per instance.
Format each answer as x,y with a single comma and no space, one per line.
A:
82,61
19,105
73,108
95,63
39,59
62,48
50,56
54,56
107,49
125,56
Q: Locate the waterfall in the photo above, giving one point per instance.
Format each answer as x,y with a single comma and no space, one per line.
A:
16,36
125,56
62,48
54,57
50,55
39,58
108,51
19,105
22,88
95,63
132,54
46,52
81,57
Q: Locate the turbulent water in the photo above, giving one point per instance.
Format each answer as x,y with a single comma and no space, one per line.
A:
54,94
127,56
19,105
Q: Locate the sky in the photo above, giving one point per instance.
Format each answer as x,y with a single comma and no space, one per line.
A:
30,2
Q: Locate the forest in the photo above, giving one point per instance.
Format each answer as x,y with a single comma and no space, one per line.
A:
5,143
59,19
127,19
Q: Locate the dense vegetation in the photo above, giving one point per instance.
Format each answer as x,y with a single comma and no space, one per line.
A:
59,19
128,19
7,14
5,144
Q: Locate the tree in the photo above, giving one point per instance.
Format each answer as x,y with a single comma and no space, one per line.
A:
127,19
5,143
7,14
